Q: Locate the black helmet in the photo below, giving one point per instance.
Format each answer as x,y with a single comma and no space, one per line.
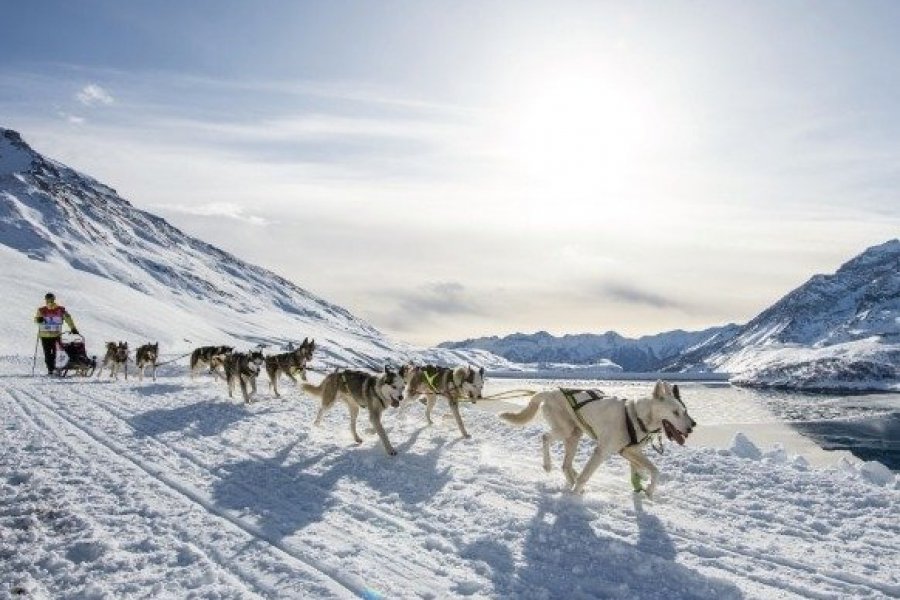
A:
49,296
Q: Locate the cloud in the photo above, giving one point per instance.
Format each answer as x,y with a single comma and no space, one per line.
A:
70,118
216,209
631,295
428,302
94,95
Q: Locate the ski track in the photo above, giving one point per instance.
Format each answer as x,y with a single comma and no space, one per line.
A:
253,582
306,513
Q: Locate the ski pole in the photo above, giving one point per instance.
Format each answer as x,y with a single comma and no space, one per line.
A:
37,339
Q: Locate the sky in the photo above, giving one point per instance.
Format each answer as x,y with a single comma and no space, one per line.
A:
452,170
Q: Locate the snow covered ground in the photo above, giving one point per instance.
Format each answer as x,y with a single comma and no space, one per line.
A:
169,490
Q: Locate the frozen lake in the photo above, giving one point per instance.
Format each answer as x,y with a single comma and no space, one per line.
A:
824,428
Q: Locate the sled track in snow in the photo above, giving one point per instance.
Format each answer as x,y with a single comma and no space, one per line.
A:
501,469
120,454
367,511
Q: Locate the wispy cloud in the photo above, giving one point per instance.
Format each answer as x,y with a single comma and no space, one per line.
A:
217,209
94,95
428,303
70,118
628,294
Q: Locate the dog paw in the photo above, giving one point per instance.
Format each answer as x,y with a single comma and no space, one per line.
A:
392,452
467,436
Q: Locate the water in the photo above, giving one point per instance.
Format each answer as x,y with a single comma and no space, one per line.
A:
822,427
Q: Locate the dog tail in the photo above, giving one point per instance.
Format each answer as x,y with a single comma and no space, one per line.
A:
526,414
314,390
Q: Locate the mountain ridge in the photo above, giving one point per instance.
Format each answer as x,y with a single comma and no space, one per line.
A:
59,225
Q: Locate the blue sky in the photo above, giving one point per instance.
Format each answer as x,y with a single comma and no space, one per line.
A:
448,170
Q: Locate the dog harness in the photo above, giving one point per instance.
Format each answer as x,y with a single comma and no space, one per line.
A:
629,422
577,400
362,392
446,383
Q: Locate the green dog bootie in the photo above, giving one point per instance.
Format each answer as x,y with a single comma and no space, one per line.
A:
636,482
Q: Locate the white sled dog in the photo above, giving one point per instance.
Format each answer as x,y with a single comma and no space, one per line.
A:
145,358
358,389
615,424
116,358
461,383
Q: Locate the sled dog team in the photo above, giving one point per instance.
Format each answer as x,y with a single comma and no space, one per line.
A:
116,358
615,425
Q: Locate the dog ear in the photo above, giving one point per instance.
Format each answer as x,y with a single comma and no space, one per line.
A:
659,390
676,392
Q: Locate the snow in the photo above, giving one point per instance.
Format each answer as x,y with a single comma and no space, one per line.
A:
115,489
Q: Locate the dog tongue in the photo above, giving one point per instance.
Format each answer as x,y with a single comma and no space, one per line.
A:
673,433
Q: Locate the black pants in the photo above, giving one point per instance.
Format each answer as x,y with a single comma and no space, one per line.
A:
50,345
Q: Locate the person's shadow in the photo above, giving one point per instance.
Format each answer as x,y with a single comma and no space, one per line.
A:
565,557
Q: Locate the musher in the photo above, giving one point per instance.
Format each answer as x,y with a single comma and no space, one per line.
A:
50,319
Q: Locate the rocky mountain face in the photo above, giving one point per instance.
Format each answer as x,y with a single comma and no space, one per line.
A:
648,353
60,226
837,330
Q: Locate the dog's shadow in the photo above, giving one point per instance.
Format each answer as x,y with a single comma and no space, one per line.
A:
564,556
200,418
297,493
150,388
414,478
300,493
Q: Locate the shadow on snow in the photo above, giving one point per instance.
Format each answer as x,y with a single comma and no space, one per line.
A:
287,496
200,418
564,556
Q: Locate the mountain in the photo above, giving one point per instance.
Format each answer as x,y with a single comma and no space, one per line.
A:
647,353
124,273
833,332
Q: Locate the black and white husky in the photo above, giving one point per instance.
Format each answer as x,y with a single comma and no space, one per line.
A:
289,363
209,356
243,368
116,358
361,390
616,425
454,384
146,357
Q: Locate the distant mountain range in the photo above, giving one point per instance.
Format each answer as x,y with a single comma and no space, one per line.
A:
127,274
839,331
648,353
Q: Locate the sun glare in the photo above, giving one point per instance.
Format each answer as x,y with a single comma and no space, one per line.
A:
585,139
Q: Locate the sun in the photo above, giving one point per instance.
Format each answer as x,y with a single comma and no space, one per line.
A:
582,134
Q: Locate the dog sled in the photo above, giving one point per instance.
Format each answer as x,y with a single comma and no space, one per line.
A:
77,359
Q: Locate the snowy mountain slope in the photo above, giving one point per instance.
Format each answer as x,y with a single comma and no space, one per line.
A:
834,331
166,490
127,274
646,353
